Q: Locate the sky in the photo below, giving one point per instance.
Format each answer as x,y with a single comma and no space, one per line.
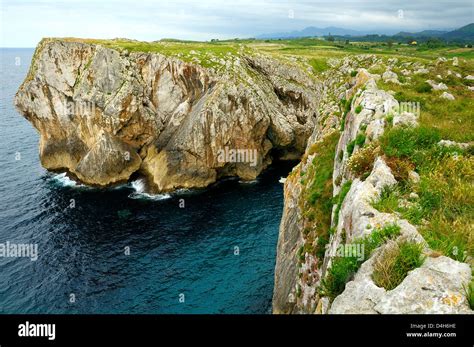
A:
24,23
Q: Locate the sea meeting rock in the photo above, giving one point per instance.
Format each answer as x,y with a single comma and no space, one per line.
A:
104,115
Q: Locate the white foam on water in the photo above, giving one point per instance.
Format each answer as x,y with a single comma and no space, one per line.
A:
146,196
139,187
63,180
248,182
282,180
185,191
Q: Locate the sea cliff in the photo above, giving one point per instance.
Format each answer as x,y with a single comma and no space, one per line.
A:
105,113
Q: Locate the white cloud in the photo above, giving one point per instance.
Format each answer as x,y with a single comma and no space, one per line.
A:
24,23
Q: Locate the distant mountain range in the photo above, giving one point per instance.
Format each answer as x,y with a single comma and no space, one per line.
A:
463,34
424,33
314,31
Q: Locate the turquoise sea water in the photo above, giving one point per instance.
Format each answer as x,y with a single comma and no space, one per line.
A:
218,252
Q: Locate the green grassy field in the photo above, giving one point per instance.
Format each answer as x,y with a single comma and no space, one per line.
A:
315,49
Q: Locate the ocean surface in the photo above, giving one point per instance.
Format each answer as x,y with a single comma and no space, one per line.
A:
119,250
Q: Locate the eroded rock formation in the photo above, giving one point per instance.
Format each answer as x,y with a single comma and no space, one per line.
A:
437,286
104,114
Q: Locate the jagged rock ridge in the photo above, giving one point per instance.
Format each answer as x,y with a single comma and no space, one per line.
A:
437,286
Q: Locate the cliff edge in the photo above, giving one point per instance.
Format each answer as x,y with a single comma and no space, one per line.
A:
107,110
372,222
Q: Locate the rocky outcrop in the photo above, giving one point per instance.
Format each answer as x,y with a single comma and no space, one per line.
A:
391,77
437,286
291,293
107,113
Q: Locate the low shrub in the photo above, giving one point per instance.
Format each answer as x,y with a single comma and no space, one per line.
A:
423,87
350,147
388,201
360,139
316,197
343,122
393,264
344,268
323,240
347,106
362,162
404,142
469,289
339,199
400,167
379,236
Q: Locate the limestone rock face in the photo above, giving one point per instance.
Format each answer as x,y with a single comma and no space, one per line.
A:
437,286
437,86
108,160
104,114
360,295
291,293
290,237
405,119
447,96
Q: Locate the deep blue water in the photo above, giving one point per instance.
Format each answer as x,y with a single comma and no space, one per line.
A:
173,250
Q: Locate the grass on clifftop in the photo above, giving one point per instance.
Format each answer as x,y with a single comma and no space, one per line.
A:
206,54
343,268
316,47
452,118
392,266
442,202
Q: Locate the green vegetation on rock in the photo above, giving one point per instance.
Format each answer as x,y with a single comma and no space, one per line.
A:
344,268
392,266
339,199
469,288
316,197
442,202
